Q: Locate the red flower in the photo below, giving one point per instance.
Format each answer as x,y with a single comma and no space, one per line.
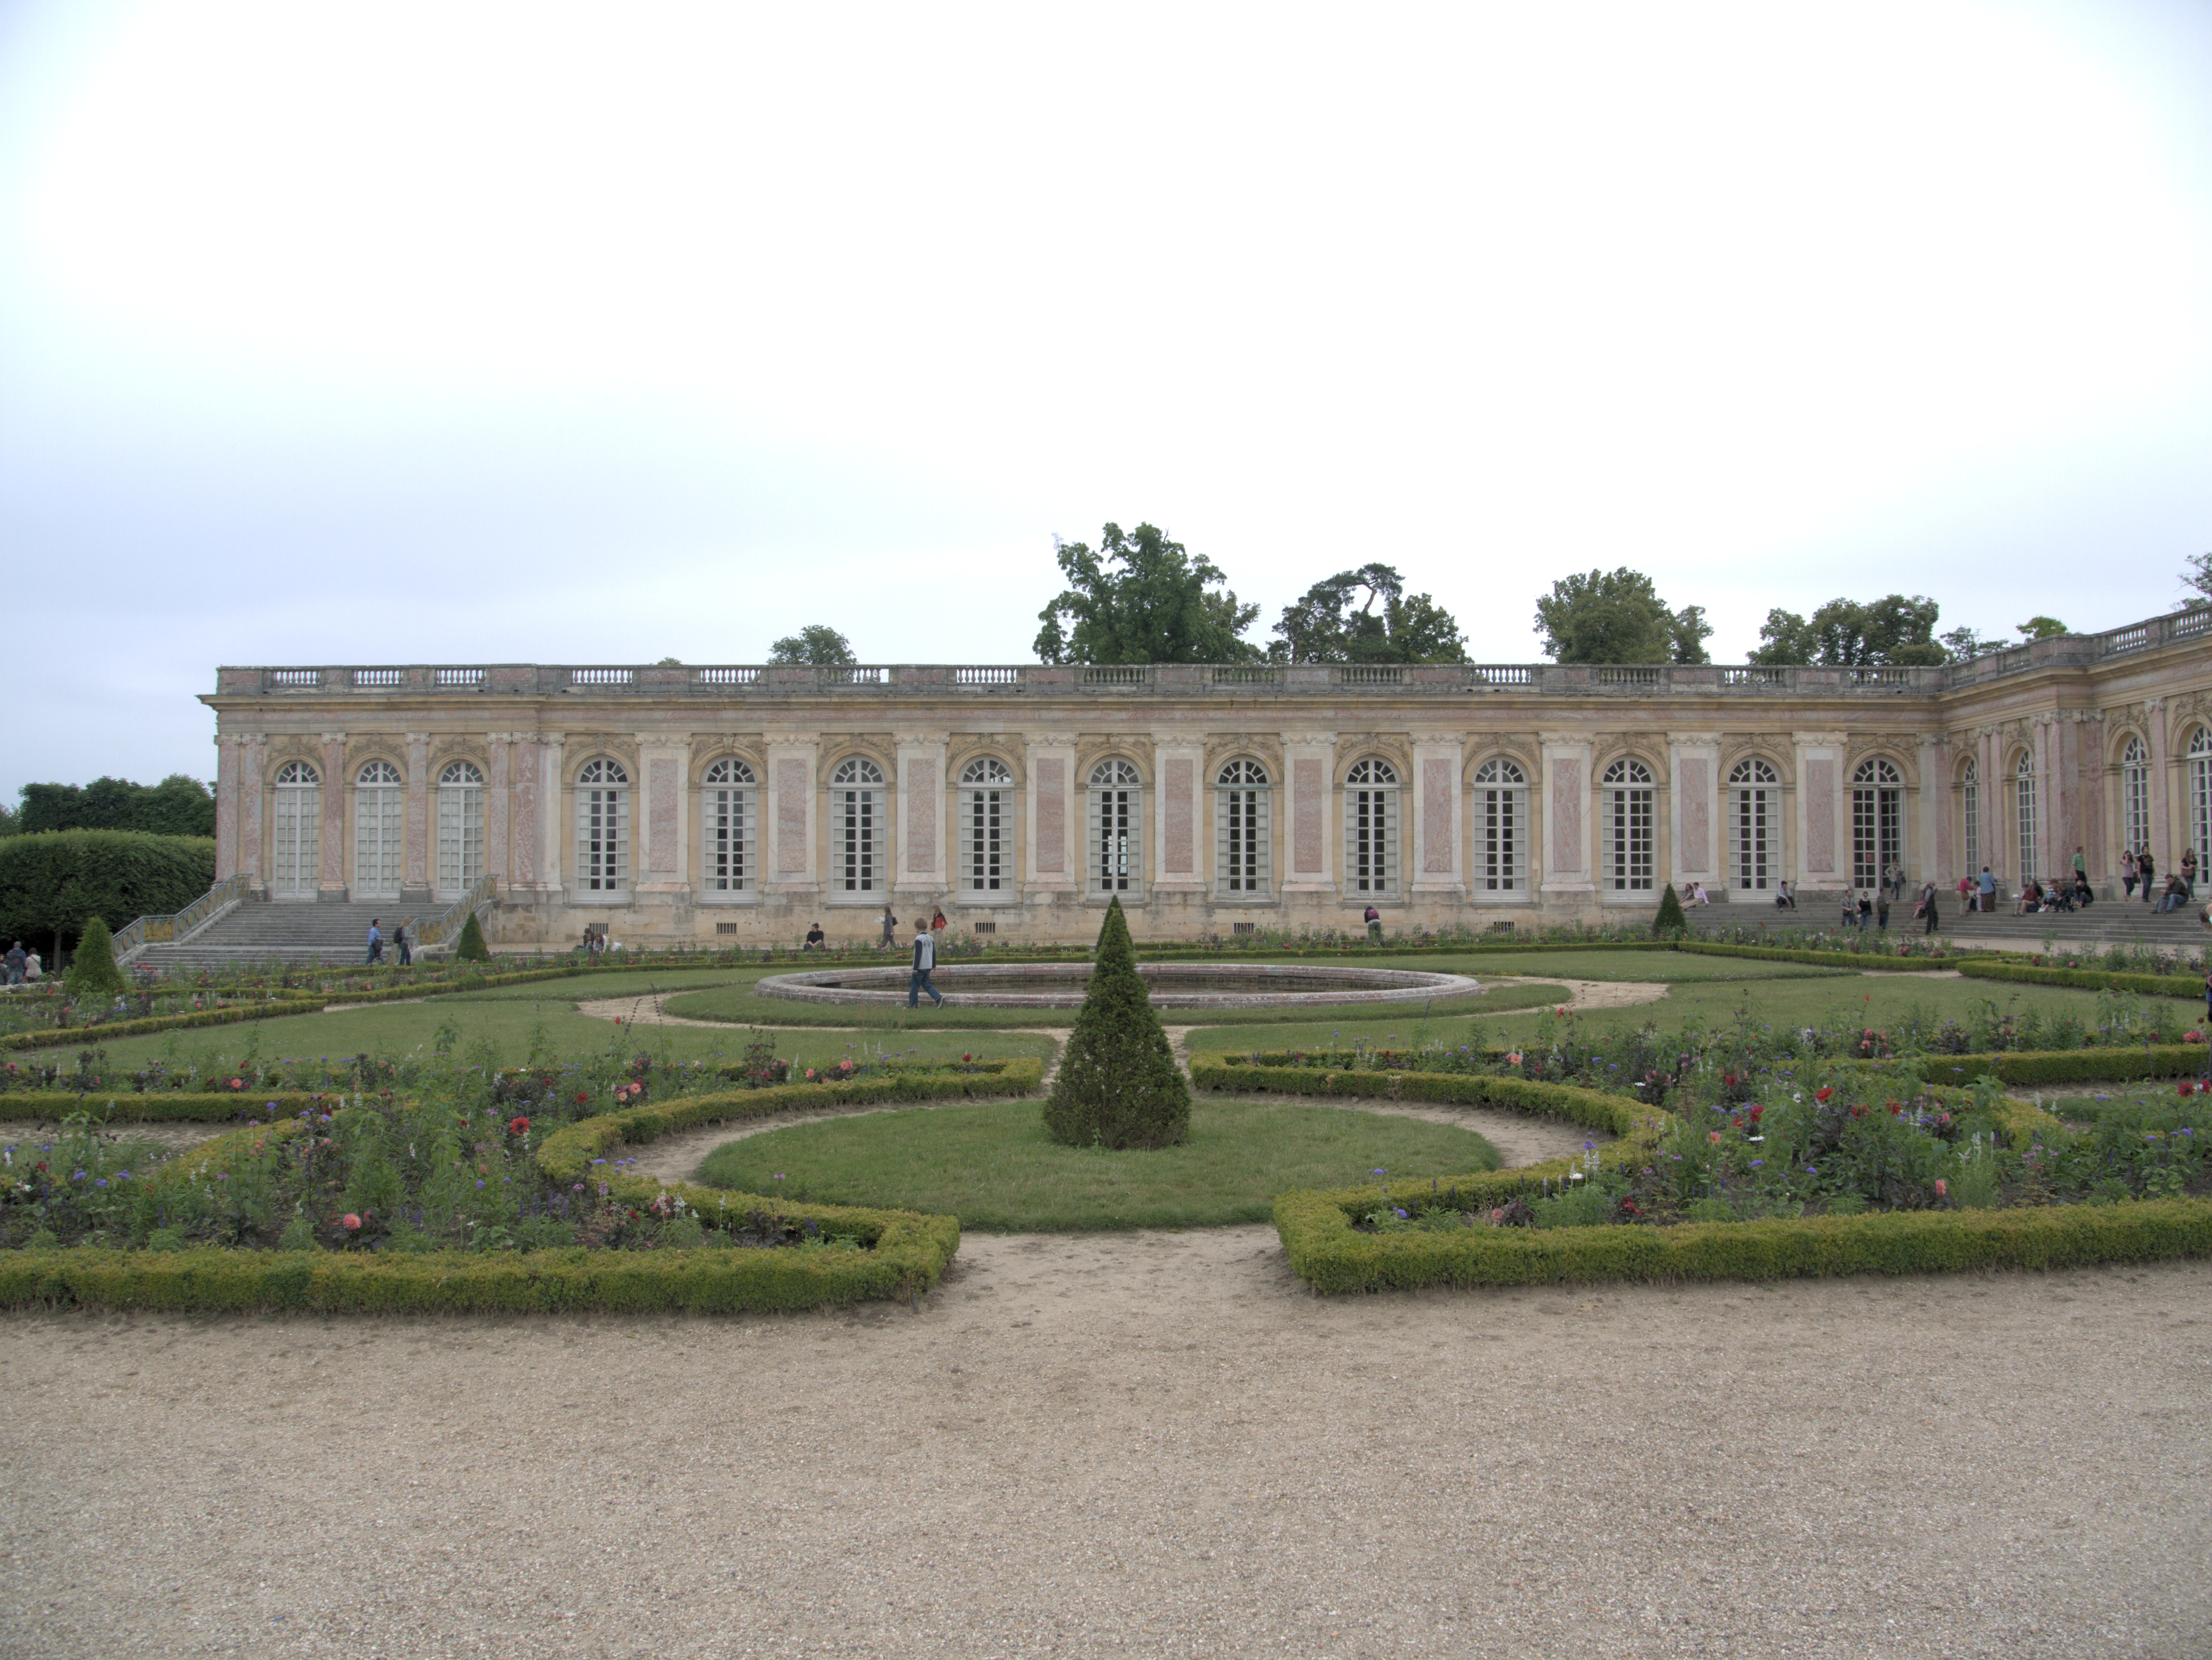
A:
581,1097
1895,1108
1822,1094
1755,1112
519,1125
238,1083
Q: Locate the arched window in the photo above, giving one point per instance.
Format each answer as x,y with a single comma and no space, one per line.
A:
1877,821
299,829
1630,854
1755,813
1370,828
2200,795
986,812
725,826
460,828
1970,799
1117,829
1240,828
1501,826
2023,775
856,826
602,827
2135,796
379,822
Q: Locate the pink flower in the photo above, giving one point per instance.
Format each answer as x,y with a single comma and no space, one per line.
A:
1942,1187
1713,1136
352,1223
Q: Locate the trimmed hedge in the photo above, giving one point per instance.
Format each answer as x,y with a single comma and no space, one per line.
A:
2109,1064
2150,985
1876,961
160,1107
52,883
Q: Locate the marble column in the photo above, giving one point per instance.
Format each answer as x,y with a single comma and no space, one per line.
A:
923,868
252,762
226,808
498,789
1310,832
663,818
788,814
414,867
337,791
552,819
1050,813
1931,860
1823,811
526,795
1179,815
1437,799
1569,816
1693,808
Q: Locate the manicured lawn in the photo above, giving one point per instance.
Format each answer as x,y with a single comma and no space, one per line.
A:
991,1164
512,1027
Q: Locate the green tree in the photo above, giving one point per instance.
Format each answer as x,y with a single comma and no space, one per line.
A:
92,970
1618,617
2197,577
1964,645
1890,632
470,948
178,805
1142,599
1322,628
1669,921
817,643
1118,1084
2042,627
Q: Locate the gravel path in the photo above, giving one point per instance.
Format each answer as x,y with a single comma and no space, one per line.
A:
1150,1444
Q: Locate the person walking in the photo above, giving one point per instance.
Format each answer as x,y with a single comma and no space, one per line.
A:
891,929
1850,908
1986,887
1927,911
1374,920
32,968
1866,909
2146,868
925,959
2189,873
14,960
2127,873
403,944
1881,910
375,942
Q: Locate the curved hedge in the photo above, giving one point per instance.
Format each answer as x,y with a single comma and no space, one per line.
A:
2151,985
162,1106
52,883
1873,962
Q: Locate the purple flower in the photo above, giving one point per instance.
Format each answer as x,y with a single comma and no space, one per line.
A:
1756,1163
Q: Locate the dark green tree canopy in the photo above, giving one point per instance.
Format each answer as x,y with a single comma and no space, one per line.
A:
1618,617
178,805
2197,578
1323,628
817,643
1890,632
1142,599
2042,627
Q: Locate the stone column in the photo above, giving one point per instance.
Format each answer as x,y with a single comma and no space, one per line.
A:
498,791
1569,816
1693,807
1996,793
2161,790
665,763
2086,740
226,806
1310,811
787,815
1436,798
1933,859
1823,811
252,758
552,823
415,868
923,868
331,887
1053,812
1183,864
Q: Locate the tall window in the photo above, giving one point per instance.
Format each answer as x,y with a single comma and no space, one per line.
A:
726,827
2135,796
1877,821
987,826
1630,851
1970,801
1240,828
2200,795
856,825
1370,828
2023,774
460,828
602,827
298,827
1501,821
1117,829
378,806
1754,800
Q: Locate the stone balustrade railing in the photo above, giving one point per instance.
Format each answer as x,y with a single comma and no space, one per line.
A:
134,937
1187,679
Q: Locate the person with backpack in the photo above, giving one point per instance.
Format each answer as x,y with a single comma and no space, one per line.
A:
925,959
891,929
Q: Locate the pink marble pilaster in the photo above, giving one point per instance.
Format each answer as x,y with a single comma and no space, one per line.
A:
417,870
794,781
522,766
226,809
1439,781
1308,805
663,804
921,790
1696,852
1820,818
334,793
1050,775
497,787
1565,790
1179,854
251,755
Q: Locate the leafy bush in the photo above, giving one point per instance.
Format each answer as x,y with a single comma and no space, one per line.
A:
470,948
92,972
51,883
1670,920
1119,1086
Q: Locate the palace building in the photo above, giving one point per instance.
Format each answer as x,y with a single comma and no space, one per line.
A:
680,803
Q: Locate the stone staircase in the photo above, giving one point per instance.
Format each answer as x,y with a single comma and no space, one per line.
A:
2108,922
261,932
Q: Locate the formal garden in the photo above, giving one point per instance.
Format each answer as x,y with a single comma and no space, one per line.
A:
474,1136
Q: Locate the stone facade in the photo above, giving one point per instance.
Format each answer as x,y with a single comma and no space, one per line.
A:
675,804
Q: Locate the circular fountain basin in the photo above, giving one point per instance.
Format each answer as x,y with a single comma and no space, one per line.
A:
1170,985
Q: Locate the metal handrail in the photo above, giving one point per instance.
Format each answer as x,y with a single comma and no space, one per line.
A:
218,902
440,929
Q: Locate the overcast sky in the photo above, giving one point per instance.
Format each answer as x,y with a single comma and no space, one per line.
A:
389,333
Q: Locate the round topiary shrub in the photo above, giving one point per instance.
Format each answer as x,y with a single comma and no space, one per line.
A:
1670,919
1118,1084
470,948
92,970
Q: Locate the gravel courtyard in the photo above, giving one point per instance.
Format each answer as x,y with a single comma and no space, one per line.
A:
1146,1444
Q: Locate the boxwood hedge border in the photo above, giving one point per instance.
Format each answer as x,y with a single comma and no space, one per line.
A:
2150,985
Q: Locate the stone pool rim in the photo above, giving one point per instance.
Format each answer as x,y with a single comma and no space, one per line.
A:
1062,985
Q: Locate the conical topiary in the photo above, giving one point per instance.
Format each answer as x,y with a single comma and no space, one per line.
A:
1119,1086
92,970
1670,919
470,948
